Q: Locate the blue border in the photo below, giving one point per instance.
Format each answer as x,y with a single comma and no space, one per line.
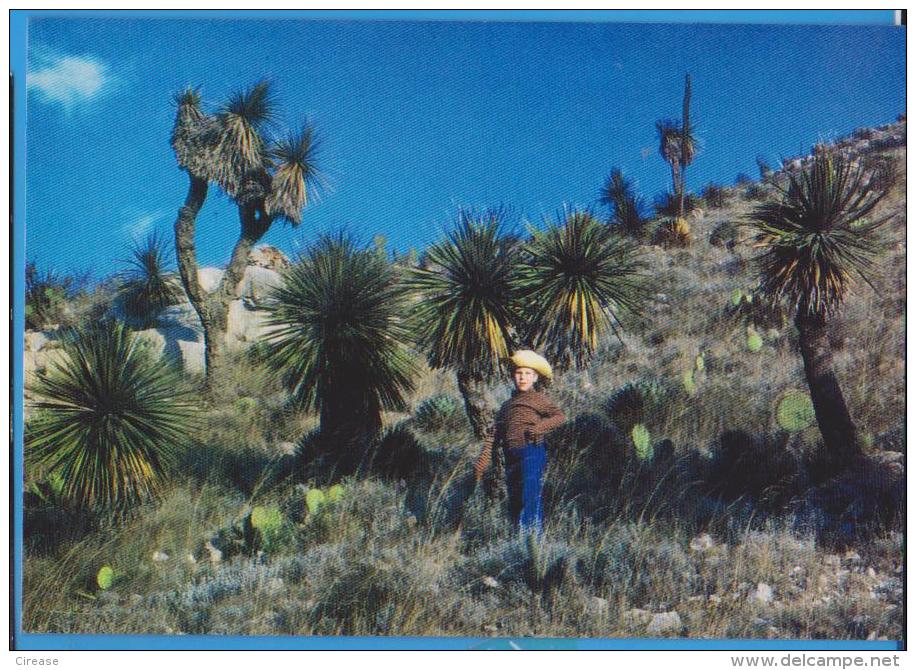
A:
725,16
28,641
226,643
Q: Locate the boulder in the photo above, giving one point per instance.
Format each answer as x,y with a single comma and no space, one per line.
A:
258,283
267,256
763,594
665,623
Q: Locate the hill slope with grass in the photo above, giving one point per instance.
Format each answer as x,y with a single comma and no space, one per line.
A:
715,526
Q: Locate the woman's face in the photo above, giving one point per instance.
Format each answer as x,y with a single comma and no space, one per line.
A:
525,378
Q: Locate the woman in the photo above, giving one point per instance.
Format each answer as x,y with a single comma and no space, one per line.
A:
519,430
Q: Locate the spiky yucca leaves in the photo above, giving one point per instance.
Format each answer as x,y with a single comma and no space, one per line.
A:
296,180
816,240
815,237
149,285
241,153
114,419
466,311
626,206
339,340
578,281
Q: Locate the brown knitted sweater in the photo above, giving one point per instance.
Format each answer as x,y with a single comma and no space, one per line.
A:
525,417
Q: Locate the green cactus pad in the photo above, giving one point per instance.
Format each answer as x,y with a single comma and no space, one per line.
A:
689,383
314,500
754,342
642,441
748,298
105,577
335,493
700,363
246,404
266,519
795,411
737,294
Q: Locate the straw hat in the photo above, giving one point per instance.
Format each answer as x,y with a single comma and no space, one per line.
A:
529,359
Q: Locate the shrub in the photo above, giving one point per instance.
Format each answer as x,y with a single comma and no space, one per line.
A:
46,296
667,204
743,179
440,413
715,196
673,232
148,286
755,191
724,235
115,418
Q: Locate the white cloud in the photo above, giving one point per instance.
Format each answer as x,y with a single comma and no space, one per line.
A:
67,80
140,223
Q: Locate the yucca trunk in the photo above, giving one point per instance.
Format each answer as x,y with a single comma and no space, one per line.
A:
213,308
473,390
833,418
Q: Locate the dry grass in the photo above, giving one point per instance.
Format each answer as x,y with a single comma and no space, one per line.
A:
731,543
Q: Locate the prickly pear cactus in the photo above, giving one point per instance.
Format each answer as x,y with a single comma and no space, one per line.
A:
689,383
314,500
795,411
335,493
105,577
737,295
266,519
754,341
642,441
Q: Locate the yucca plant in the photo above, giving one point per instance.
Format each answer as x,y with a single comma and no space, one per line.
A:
339,339
627,207
578,282
678,146
149,285
46,295
113,419
267,180
817,238
466,309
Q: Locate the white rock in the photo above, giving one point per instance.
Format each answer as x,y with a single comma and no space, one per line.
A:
258,283
597,605
193,356
762,594
215,554
664,622
160,557
490,582
267,256
636,617
209,278
287,448
702,542
36,340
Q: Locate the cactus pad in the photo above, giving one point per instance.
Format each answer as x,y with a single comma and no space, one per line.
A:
641,441
689,383
700,363
754,341
335,493
314,500
795,411
266,519
105,577
737,294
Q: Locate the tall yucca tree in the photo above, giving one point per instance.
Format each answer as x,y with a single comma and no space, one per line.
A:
627,207
678,146
818,237
266,180
338,338
112,419
466,308
579,281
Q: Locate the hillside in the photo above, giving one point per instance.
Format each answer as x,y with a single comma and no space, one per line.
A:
724,531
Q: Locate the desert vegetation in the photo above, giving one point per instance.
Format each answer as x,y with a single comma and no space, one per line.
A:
732,465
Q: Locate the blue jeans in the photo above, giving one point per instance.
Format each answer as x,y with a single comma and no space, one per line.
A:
525,481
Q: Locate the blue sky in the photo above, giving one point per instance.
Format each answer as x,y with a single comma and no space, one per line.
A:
418,118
